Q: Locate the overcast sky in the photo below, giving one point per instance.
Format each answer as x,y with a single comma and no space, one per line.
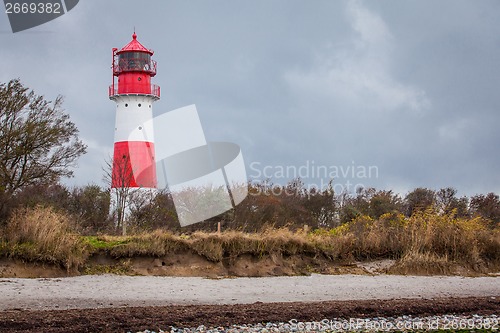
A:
411,88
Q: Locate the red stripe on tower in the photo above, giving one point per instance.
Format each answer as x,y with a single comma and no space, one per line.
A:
139,172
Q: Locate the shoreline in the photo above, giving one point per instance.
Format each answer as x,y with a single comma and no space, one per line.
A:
104,291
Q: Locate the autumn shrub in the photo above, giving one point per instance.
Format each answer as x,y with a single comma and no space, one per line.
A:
336,244
423,237
377,238
459,239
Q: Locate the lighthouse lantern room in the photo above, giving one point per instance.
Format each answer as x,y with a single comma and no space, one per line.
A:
134,163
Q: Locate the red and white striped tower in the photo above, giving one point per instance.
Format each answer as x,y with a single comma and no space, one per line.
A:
134,163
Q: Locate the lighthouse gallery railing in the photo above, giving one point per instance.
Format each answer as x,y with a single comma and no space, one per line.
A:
155,91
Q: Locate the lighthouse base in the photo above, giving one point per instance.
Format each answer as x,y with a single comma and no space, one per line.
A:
125,201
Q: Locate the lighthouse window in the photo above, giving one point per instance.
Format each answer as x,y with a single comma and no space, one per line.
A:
135,61
126,105
139,105
150,106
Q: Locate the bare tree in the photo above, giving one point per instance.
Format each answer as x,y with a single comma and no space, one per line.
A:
38,142
119,175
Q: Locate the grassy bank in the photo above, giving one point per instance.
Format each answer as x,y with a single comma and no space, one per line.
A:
425,242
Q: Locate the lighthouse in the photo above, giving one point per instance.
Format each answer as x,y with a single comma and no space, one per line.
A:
133,165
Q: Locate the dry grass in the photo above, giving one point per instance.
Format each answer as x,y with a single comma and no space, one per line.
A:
213,246
423,263
426,238
156,244
434,242
426,242
42,234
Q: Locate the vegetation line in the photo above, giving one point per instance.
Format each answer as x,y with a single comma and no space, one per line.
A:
426,239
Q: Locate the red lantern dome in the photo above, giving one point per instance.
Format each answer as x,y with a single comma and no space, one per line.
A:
134,68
